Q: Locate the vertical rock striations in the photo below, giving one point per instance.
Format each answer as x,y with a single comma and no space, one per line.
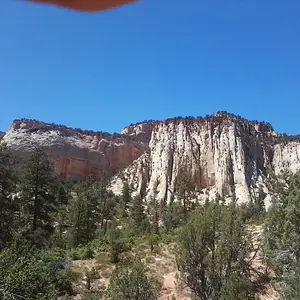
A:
225,155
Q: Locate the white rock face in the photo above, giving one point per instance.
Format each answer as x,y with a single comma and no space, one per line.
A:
287,156
225,155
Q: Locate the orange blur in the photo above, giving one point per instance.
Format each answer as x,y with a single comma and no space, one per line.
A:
86,5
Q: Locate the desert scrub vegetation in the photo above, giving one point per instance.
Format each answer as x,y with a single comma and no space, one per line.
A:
46,223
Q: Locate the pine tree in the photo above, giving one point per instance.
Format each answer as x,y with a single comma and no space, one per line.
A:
8,203
84,215
38,201
256,207
282,235
116,244
281,229
62,198
140,222
278,185
213,250
185,191
91,207
76,233
154,213
260,202
91,216
125,198
291,236
172,215
107,204
273,245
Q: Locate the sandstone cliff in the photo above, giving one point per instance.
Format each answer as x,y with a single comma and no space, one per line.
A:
75,153
224,155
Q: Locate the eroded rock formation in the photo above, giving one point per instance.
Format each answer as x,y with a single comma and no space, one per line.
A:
75,153
224,155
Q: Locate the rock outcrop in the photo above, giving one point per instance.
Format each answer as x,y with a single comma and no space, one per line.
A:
223,155
226,156
75,153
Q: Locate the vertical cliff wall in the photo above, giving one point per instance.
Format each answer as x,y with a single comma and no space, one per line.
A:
225,155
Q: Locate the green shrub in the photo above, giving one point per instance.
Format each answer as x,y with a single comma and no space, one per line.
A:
237,288
62,276
93,295
33,274
87,253
102,258
100,243
153,240
290,288
82,253
130,281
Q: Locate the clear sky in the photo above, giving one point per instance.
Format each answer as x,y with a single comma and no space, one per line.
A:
151,60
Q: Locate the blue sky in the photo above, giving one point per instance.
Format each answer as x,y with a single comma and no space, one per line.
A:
151,60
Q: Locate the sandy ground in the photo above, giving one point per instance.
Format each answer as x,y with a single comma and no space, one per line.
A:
169,288
268,292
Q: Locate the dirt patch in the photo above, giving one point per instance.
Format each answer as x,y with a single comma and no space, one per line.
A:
162,266
267,290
